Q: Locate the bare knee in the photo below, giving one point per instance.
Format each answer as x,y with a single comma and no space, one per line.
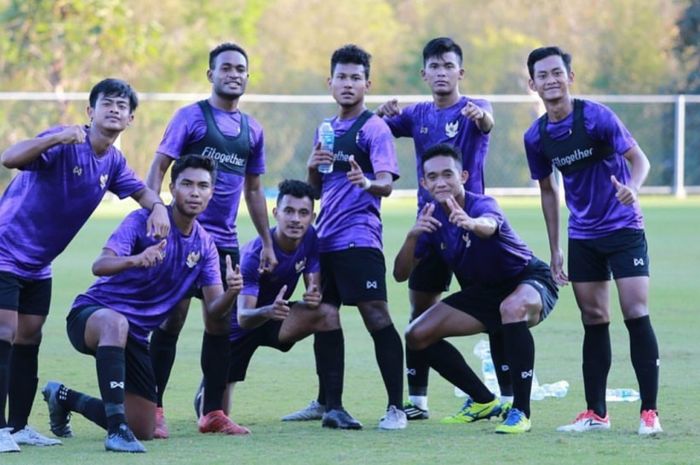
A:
8,325
328,318
107,328
375,315
29,329
176,320
421,301
416,338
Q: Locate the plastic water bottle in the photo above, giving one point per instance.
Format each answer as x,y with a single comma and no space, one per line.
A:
537,392
488,371
621,395
558,389
326,136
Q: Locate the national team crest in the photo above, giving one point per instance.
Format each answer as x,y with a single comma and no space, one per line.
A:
451,129
300,265
103,181
193,259
467,240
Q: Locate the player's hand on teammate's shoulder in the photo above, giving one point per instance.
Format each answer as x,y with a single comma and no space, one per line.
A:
152,255
158,221
390,108
234,278
425,222
312,296
268,260
72,135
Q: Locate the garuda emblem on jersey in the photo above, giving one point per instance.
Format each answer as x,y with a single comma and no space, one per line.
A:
103,181
193,259
467,240
451,129
300,265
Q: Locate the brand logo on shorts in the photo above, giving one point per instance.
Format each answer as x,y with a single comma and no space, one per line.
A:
372,285
193,259
505,368
451,129
467,240
442,246
300,265
526,374
78,171
411,371
638,262
103,181
116,384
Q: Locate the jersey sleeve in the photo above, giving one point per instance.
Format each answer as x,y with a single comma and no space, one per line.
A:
210,274
256,161
250,262
603,124
176,135
377,140
124,239
540,166
50,155
401,125
123,181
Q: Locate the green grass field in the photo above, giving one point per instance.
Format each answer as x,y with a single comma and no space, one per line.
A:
279,383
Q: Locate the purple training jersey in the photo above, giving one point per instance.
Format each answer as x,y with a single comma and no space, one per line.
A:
350,216
471,258
289,268
189,125
145,296
50,199
429,125
590,195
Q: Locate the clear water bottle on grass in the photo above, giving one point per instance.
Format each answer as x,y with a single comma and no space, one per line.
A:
326,136
488,370
621,395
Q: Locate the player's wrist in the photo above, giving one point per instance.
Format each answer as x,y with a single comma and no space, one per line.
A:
366,184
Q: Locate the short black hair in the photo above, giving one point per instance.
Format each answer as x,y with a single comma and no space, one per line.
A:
440,46
295,188
226,47
111,87
446,150
351,54
544,52
193,161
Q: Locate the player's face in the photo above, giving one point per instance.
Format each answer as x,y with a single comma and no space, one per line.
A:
230,75
192,191
348,84
443,73
550,79
111,113
443,178
294,216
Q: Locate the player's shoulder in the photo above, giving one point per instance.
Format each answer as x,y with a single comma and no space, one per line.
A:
593,110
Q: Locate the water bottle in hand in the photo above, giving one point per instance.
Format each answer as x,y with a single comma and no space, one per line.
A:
326,136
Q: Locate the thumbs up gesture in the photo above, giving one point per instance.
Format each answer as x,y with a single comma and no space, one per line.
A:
356,176
279,310
234,278
627,195
153,255
312,296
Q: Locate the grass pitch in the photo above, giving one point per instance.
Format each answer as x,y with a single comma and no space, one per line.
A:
280,383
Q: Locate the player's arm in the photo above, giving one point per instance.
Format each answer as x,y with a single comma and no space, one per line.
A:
483,226
156,172
381,186
257,208
250,316
390,108
219,302
109,263
24,152
639,163
406,260
158,223
549,198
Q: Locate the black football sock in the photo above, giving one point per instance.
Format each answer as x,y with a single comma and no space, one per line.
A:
215,361
597,357
644,351
444,358
388,351
163,348
111,371
5,355
329,348
500,363
417,370
90,407
321,397
24,366
520,350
